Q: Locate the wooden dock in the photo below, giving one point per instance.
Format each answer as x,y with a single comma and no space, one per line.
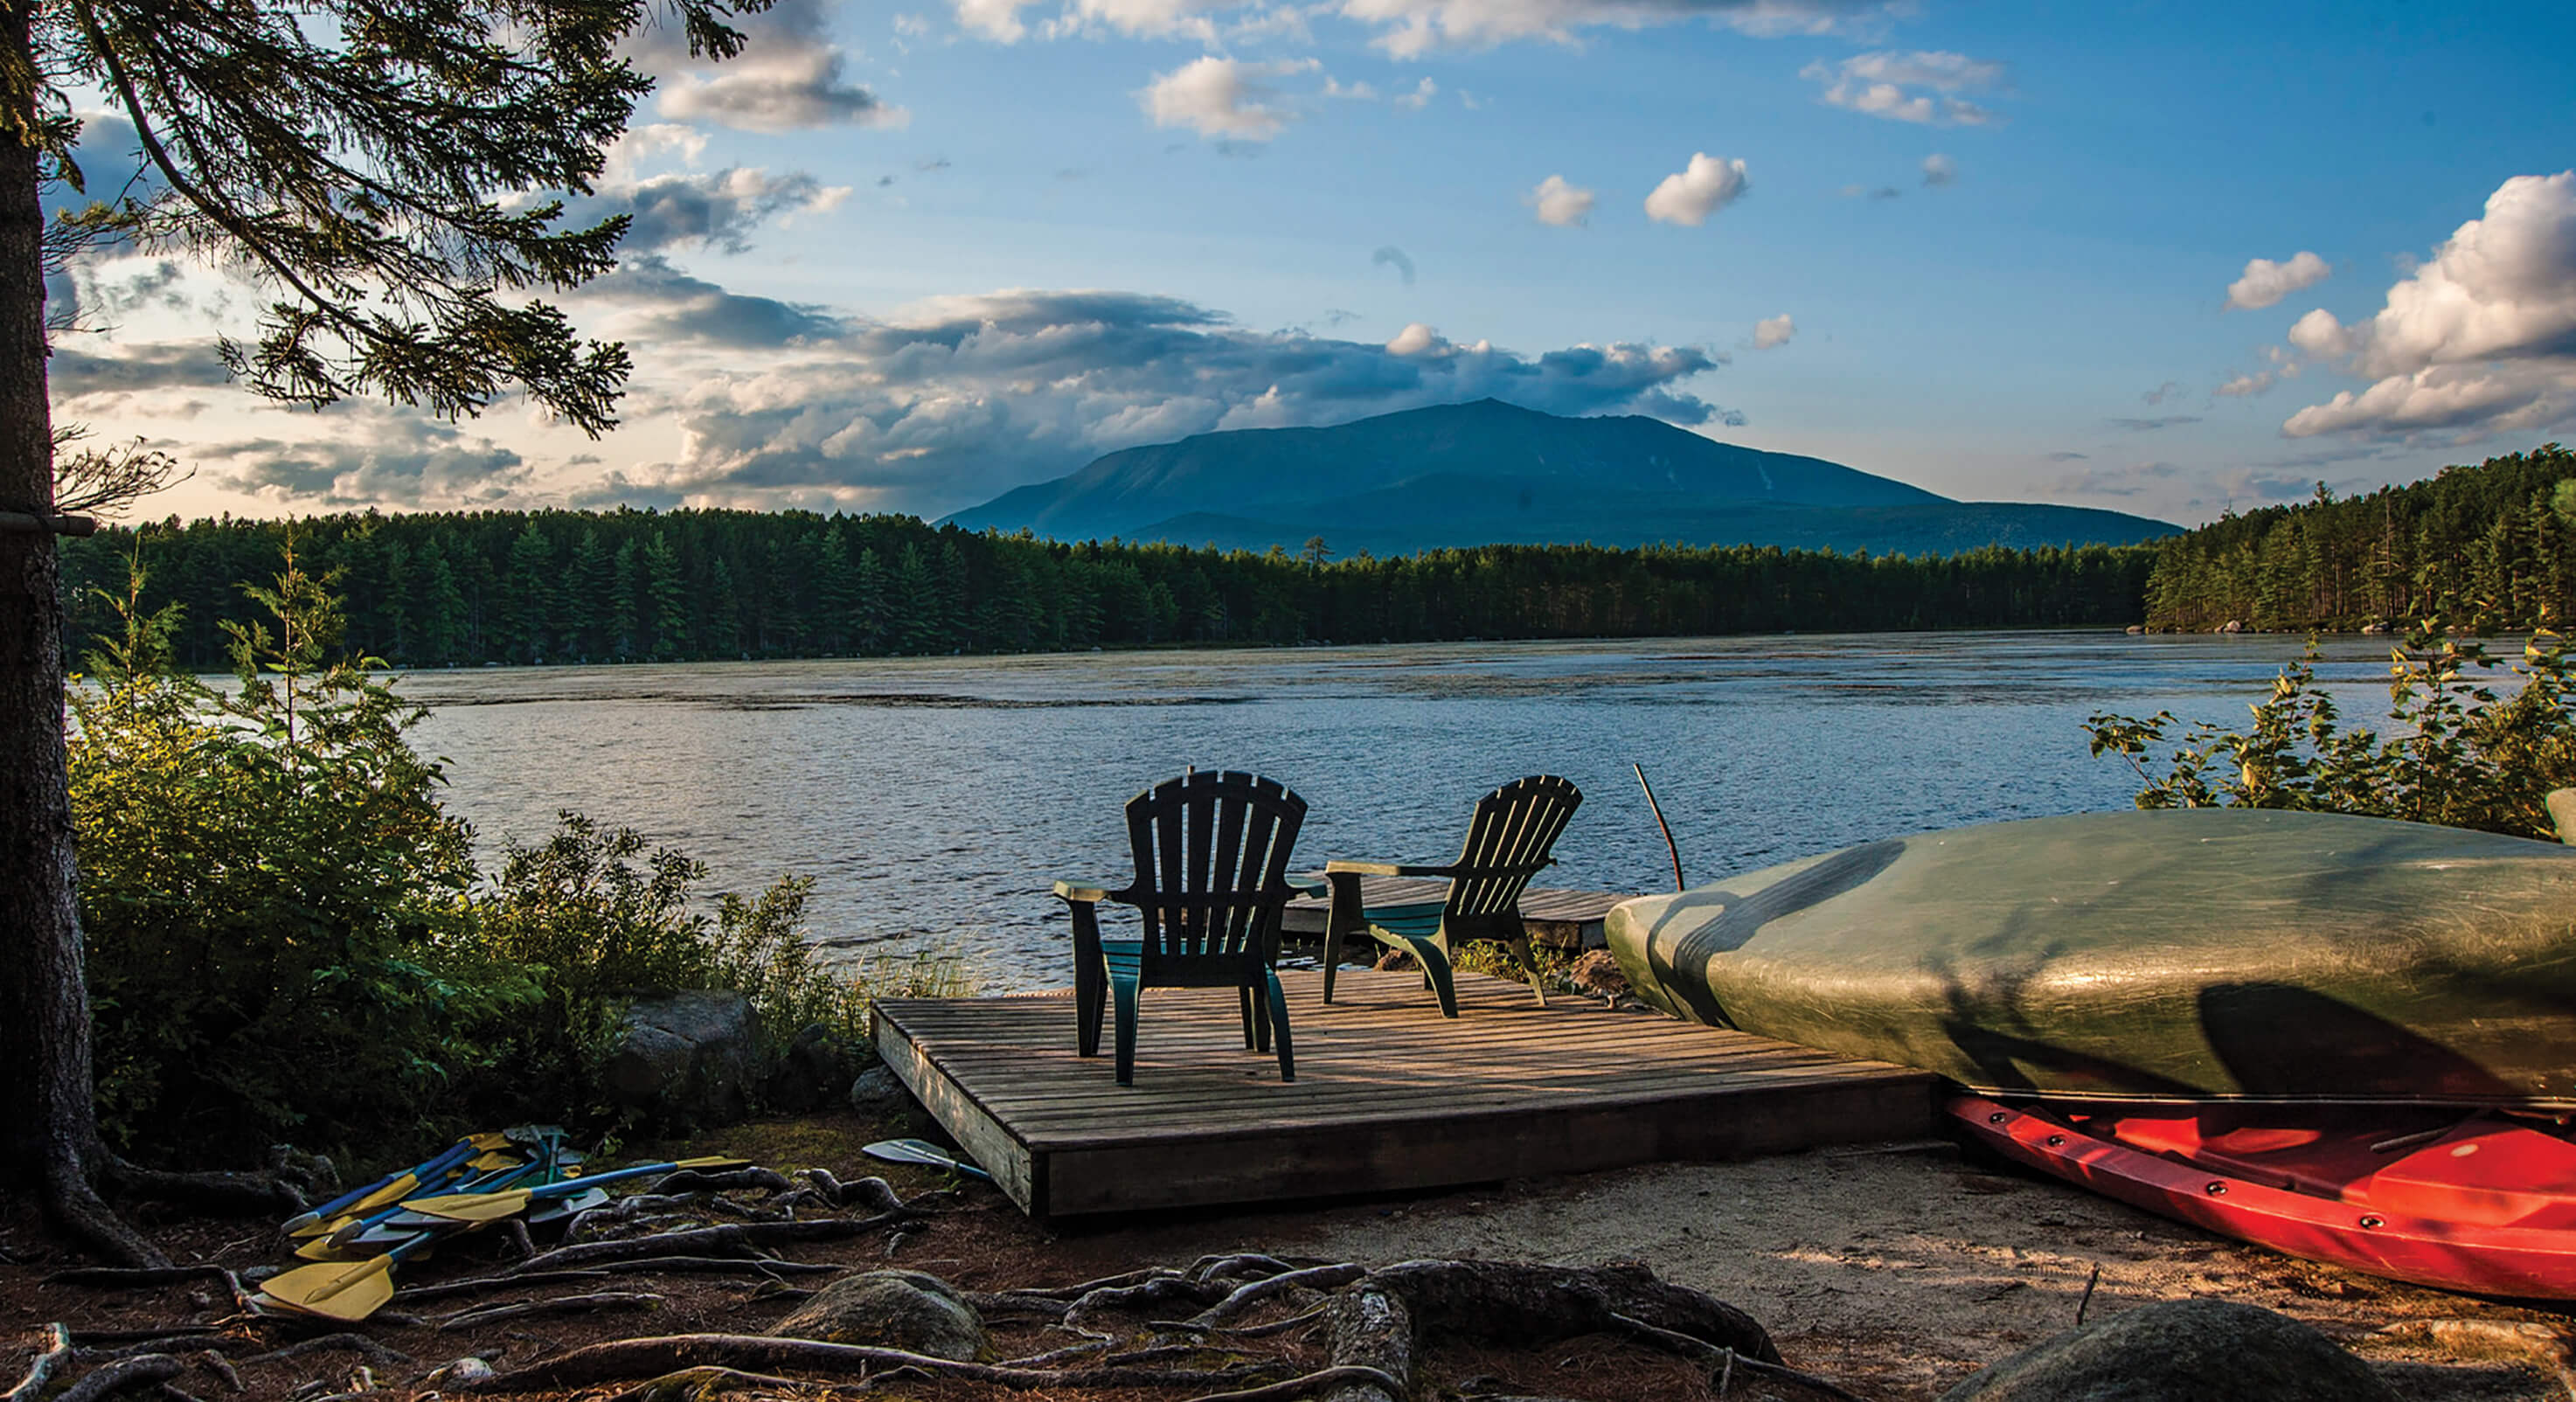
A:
1388,1095
1565,919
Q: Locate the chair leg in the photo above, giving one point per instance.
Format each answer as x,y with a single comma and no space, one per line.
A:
1244,1004
1123,990
1261,1019
1342,916
1278,1002
1435,971
1529,965
1090,980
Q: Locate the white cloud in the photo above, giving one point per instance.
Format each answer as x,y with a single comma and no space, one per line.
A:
2266,282
2479,339
1690,195
1940,170
787,78
1922,87
1420,97
1773,331
2246,386
952,400
1222,97
1559,203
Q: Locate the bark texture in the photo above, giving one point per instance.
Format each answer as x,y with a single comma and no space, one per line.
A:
48,1122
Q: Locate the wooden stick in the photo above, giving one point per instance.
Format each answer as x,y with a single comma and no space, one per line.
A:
561,1304
143,1371
1659,822
621,1359
2087,1302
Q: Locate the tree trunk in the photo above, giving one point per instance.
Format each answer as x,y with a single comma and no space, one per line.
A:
48,1118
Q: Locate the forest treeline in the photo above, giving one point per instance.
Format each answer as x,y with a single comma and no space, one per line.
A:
560,586
2488,548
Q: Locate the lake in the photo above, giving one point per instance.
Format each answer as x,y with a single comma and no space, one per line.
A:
933,800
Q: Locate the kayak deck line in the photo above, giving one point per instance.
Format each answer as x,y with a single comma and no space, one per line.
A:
1389,1095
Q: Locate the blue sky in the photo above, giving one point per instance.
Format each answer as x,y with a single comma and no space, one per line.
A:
2160,258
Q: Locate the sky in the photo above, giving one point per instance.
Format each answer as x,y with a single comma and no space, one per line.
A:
2166,259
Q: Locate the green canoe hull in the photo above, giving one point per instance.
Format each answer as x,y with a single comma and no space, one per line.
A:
2198,954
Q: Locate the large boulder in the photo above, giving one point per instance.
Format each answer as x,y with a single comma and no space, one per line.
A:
890,1309
687,1060
2181,1351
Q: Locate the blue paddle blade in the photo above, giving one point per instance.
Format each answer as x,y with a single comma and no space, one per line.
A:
921,1151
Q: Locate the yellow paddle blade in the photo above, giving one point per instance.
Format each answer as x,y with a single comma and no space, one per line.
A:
333,1290
383,1197
494,1159
324,1249
321,1228
489,1139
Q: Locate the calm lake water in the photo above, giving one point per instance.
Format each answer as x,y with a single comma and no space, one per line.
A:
933,800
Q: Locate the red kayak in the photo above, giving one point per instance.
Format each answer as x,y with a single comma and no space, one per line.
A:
2479,1202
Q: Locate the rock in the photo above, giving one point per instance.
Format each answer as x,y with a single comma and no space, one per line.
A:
2232,626
687,1060
2375,630
2181,1351
2137,628
815,1065
1597,972
890,1309
880,1093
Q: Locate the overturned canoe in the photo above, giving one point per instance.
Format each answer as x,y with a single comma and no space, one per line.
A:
2187,955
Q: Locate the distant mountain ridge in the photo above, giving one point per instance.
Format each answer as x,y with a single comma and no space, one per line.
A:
1494,473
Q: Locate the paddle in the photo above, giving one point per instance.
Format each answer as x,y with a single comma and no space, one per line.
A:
492,1207
359,1201
355,1231
337,1290
921,1151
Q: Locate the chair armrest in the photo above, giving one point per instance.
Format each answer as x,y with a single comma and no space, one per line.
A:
1313,883
1386,869
1081,894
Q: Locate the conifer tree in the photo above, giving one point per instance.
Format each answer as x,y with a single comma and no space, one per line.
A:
361,160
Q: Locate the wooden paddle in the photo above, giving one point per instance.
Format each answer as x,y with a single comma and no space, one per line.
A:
492,1207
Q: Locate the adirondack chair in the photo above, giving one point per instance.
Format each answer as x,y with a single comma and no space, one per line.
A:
1211,879
1507,843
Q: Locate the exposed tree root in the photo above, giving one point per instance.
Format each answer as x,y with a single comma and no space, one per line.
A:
626,1359
561,1304
148,1370
57,1351
1310,1384
738,1236
335,1343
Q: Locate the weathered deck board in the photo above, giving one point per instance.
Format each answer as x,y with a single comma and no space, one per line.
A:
1566,919
1388,1094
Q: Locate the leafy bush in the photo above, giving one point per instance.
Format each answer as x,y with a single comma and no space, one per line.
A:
2457,752
270,894
287,941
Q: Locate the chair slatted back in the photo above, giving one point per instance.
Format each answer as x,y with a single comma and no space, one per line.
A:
1514,829
1212,856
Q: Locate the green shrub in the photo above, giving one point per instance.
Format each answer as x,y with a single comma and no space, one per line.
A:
270,894
2457,751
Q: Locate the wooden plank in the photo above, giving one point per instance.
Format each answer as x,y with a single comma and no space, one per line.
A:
983,1138
1388,1095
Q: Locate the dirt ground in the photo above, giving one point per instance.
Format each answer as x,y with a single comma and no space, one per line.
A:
1895,1270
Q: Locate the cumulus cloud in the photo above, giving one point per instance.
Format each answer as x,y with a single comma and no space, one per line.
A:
1393,257
2246,386
1222,97
2266,282
1922,87
1698,190
955,399
403,459
789,76
91,383
1420,97
1773,331
2481,338
1940,170
717,210
1559,203
655,301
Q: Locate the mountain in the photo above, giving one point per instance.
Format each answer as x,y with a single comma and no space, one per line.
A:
1493,473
